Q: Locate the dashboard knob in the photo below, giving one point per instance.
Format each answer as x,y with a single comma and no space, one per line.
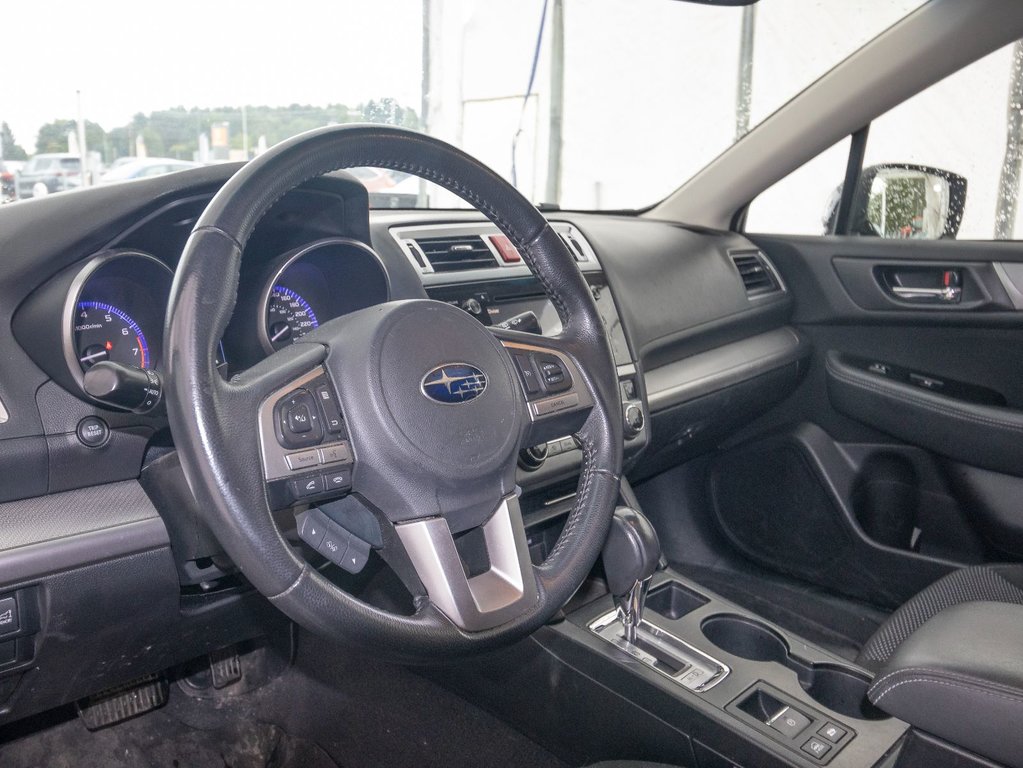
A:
472,306
634,419
125,387
532,458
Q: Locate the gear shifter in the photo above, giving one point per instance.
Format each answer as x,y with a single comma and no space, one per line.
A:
631,554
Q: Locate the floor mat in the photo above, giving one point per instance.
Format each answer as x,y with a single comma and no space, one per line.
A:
330,710
840,625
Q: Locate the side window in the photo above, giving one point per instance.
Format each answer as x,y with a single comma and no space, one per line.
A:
803,202
943,164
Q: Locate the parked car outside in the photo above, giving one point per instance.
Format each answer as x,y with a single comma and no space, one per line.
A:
48,173
145,167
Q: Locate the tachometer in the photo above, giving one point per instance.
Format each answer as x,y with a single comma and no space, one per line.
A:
104,332
288,317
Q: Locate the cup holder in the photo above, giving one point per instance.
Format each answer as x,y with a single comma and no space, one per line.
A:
840,689
745,638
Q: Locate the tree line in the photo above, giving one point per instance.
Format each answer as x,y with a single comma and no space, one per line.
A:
175,132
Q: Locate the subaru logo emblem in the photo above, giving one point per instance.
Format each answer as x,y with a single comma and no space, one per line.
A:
454,383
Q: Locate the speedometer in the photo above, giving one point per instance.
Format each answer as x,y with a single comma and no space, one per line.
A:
288,317
104,332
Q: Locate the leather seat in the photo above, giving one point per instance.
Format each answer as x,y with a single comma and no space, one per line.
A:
989,583
629,764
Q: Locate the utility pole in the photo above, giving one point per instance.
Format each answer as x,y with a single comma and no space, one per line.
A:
82,150
1008,181
245,132
552,193
424,92
744,95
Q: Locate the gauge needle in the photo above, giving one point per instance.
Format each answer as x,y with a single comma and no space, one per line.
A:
93,356
280,333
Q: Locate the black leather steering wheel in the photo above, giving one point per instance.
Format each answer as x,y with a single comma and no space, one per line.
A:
423,469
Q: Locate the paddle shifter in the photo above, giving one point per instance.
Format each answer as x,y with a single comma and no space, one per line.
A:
631,554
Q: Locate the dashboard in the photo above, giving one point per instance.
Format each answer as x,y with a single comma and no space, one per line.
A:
96,519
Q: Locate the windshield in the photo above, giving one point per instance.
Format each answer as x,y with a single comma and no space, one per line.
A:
586,104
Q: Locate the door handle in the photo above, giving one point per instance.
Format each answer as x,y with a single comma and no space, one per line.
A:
950,294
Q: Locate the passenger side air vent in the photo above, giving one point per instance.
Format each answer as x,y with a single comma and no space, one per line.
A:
757,273
456,253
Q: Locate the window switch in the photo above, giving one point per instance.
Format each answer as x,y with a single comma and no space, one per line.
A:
8,616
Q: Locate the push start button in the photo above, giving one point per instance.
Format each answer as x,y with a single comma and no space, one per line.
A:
93,431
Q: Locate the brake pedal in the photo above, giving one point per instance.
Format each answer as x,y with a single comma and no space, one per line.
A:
225,667
123,702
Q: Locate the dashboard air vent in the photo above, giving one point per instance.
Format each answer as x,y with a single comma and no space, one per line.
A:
758,277
456,253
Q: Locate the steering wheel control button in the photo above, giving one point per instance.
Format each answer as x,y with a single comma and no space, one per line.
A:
331,413
302,460
334,545
93,432
338,481
553,374
790,723
526,373
307,486
356,557
333,454
298,421
817,747
554,404
833,733
311,527
9,616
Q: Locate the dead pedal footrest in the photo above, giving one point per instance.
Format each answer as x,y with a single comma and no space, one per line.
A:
122,702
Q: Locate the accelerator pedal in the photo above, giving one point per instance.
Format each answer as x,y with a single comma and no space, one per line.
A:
123,702
225,667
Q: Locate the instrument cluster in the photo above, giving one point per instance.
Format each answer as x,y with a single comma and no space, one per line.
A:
115,306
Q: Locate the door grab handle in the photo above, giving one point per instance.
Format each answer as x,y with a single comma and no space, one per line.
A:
949,294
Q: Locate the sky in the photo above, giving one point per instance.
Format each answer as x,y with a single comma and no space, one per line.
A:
129,57
650,85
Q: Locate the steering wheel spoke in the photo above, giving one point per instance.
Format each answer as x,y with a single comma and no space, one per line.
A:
556,394
476,590
304,445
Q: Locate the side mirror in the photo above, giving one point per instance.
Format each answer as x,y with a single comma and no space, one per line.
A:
903,201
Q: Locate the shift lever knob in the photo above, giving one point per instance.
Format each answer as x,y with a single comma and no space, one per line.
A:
631,554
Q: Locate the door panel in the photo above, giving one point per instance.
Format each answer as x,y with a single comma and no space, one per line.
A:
894,379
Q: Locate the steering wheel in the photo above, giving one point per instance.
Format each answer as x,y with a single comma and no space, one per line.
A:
434,407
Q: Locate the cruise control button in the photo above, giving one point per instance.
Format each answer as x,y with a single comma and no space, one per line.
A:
553,373
816,747
831,732
8,616
526,372
302,460
331,454
307,486
555,404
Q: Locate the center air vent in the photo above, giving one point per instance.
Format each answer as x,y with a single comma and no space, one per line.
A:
456,253
758,278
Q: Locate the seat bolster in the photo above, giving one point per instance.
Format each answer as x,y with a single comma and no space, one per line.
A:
960,677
